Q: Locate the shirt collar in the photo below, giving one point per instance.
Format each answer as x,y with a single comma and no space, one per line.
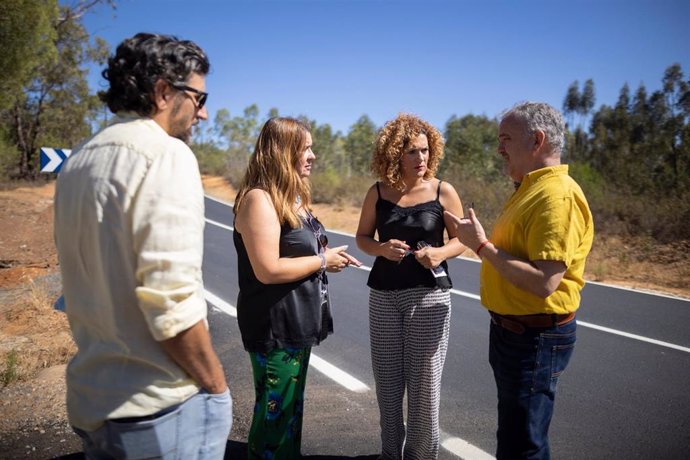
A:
541,173
125,117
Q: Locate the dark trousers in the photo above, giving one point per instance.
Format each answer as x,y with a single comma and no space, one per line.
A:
526,369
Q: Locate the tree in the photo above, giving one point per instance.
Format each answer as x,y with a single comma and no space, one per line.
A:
571,103
359,145
639,113
580,103
471,146
54,104
239,133
328,147
27,34
676,93
587,100
642,146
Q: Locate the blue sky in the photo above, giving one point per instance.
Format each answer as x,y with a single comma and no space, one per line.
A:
336,60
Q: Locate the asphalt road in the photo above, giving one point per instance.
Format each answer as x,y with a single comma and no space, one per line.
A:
625,394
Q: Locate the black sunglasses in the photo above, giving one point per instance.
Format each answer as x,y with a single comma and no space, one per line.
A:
316,228
199,100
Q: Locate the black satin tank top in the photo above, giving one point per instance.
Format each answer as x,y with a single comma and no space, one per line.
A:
421,222
287,315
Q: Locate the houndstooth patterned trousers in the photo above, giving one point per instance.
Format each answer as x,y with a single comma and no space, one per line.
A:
409,338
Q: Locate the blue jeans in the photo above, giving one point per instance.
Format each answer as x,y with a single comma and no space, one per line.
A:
196,429
526,369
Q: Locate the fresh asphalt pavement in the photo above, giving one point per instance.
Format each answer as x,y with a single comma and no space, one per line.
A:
624,395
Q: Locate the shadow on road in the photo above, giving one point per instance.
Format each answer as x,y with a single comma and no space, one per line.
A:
235,450
238,450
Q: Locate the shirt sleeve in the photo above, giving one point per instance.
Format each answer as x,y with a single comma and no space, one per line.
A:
552,231
168,226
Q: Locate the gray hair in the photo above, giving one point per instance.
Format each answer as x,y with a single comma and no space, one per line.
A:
543,117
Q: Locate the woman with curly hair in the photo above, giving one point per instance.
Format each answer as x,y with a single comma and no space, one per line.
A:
409,301
282,307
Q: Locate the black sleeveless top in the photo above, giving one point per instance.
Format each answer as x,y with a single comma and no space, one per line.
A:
288,315
421,222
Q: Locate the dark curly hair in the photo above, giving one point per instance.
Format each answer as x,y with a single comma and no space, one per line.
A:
390,146
140,61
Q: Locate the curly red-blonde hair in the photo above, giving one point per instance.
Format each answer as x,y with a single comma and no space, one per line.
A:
390,146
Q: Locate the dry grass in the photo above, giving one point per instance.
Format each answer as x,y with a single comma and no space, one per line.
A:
33,335
642,263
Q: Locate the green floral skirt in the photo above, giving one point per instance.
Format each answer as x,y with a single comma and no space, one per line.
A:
279,379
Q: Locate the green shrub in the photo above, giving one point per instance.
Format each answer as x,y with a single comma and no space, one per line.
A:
487,194
10,373
212,159
331,187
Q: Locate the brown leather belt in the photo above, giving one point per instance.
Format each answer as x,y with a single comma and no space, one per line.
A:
519,323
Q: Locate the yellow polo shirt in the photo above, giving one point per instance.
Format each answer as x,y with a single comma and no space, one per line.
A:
547,218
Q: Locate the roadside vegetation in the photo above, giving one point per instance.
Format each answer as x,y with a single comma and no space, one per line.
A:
34,335
631,159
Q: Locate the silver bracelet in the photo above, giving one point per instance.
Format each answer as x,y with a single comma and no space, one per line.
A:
323,263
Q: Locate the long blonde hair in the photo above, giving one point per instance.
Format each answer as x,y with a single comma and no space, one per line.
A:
271,168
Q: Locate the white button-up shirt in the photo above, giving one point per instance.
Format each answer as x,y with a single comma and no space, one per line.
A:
129,222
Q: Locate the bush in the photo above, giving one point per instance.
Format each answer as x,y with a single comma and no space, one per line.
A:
331,187
9,156
591,182
488,194
212,159
10,373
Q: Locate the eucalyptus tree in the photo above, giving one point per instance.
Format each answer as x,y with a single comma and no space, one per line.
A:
238,134
587,100
676,93
359,144
571,103
328,147
471,147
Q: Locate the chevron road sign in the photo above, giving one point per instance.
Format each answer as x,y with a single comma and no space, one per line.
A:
51,159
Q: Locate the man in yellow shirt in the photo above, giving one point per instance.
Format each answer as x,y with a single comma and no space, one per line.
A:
531,276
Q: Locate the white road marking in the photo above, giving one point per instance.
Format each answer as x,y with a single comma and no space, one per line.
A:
218,200
633,336
463,449
329,370
337,375
218,224
220,304
465,294
580,323
612,286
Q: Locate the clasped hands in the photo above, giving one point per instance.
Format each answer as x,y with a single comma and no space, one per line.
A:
397,250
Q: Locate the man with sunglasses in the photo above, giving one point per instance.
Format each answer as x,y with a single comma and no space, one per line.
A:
129,221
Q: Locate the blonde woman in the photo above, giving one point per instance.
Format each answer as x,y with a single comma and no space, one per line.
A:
402,224
283,307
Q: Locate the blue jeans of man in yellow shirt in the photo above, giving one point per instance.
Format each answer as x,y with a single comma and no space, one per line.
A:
526,368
